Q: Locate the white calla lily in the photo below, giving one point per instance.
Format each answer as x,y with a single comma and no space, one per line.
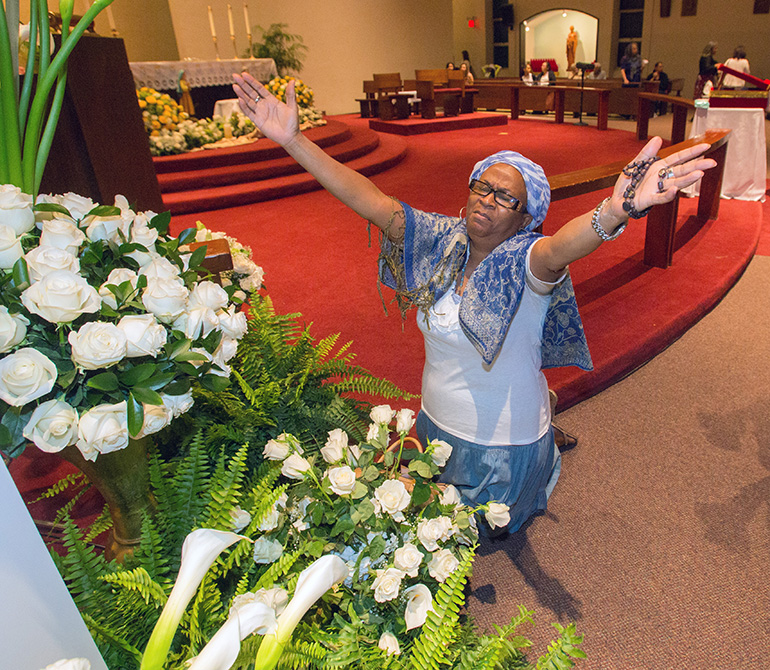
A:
313,582
418,603
199,551
223,649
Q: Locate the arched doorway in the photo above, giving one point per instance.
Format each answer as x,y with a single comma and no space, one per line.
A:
544,35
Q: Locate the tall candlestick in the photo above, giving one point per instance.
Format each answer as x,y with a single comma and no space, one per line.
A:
246,18
211,24
230,20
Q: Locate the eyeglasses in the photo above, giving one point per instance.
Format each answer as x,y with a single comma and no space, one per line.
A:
503,198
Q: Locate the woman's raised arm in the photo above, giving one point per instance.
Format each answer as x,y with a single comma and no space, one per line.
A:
280,123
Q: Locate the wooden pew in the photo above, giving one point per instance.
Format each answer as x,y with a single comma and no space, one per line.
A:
682,107
369,104
391,102
661,221
467,101
433,91
531,97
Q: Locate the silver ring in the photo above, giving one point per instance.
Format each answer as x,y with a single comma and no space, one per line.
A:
257,98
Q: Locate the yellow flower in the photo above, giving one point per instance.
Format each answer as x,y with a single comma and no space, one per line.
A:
142,104
151,99
155,124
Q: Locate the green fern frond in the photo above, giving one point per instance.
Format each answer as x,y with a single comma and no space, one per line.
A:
81,567
65,510
326,344
151,553
205,614
101,524
71,480
441,626
139,581
107,637
278,569
562,650
224,490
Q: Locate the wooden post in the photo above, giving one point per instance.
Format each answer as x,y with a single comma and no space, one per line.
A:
679,124
642,118
661,230
559,106
604,109
711,186
514,102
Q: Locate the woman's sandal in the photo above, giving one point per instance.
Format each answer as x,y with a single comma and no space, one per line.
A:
564,440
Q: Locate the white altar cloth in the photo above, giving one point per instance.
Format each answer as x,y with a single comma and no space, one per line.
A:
163,75
746,161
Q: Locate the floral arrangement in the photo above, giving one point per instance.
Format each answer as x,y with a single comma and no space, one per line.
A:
159,111
277,86
105,323
191,134
246,274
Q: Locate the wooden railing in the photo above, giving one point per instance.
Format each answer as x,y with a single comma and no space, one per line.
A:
559,93
661,221
682,107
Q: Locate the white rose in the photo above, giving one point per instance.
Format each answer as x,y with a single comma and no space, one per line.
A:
156,418
16,209
167,300
208,294
393,496
232,322
253,282
270,520
103,429
77,205
354,454
144,335
382,414
146,236
10,248
418,603
389,644
25,375
373,432
43,260
431,531
440,452
61,297
387,584
443,564
97,345
342,480
267,551
294,467
13,329
161,268
104,228
178,404
334,449
52,426
227,348
404,420
243,265
70,664
197,322
116,277
498,515
275,450
240,519
450,496
408,558
63,234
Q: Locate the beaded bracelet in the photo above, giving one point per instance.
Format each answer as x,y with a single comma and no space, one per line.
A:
636,172
599,230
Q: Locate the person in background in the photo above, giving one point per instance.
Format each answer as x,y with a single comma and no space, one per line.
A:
631,65
707,69
467,62
573,72
450,65
664,86
740,63
547,77
597,72
468,75
527,77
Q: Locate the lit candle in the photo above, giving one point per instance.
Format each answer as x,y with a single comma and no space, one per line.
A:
111,19
246,18
211,23
230,20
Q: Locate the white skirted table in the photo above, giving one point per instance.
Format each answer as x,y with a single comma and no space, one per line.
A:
746,161
163,75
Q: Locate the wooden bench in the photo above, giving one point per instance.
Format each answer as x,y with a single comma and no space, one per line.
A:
682,107
430,97
536,97
661,221
392,103
369,104
456,79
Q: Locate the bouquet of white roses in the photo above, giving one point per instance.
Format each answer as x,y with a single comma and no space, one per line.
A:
105,323
399,533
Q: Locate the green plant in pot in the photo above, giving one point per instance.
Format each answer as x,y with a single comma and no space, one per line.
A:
286,49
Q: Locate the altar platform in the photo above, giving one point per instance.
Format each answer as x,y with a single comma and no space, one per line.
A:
416,125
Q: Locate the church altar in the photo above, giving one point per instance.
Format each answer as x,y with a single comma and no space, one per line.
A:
163,75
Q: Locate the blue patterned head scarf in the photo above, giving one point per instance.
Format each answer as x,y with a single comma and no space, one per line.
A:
538,188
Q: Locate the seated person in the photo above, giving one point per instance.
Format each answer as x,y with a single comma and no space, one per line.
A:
547,77
527,77
468,75
664,86
450,65
597,72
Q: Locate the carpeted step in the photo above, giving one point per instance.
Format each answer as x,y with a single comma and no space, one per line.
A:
359,143
390,151
334,132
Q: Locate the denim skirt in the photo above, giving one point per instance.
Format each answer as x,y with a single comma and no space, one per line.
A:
522,476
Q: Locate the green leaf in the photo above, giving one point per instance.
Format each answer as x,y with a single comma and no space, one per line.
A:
422,469
178,387
15,420
106,381
344,525
21,274
375,548
52,207
138,374
104,210
159,380
190,356
135,415
197,257
365,509
215,383
315,549
161,222
370,473
359,491
146,395
178,347
187,236
66,378
420,493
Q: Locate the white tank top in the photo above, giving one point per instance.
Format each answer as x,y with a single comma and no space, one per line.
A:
500,404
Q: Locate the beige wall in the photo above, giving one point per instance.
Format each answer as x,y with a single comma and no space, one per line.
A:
348,40
472,40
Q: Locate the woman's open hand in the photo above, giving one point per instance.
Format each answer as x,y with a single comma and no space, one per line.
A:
278,121
681,170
